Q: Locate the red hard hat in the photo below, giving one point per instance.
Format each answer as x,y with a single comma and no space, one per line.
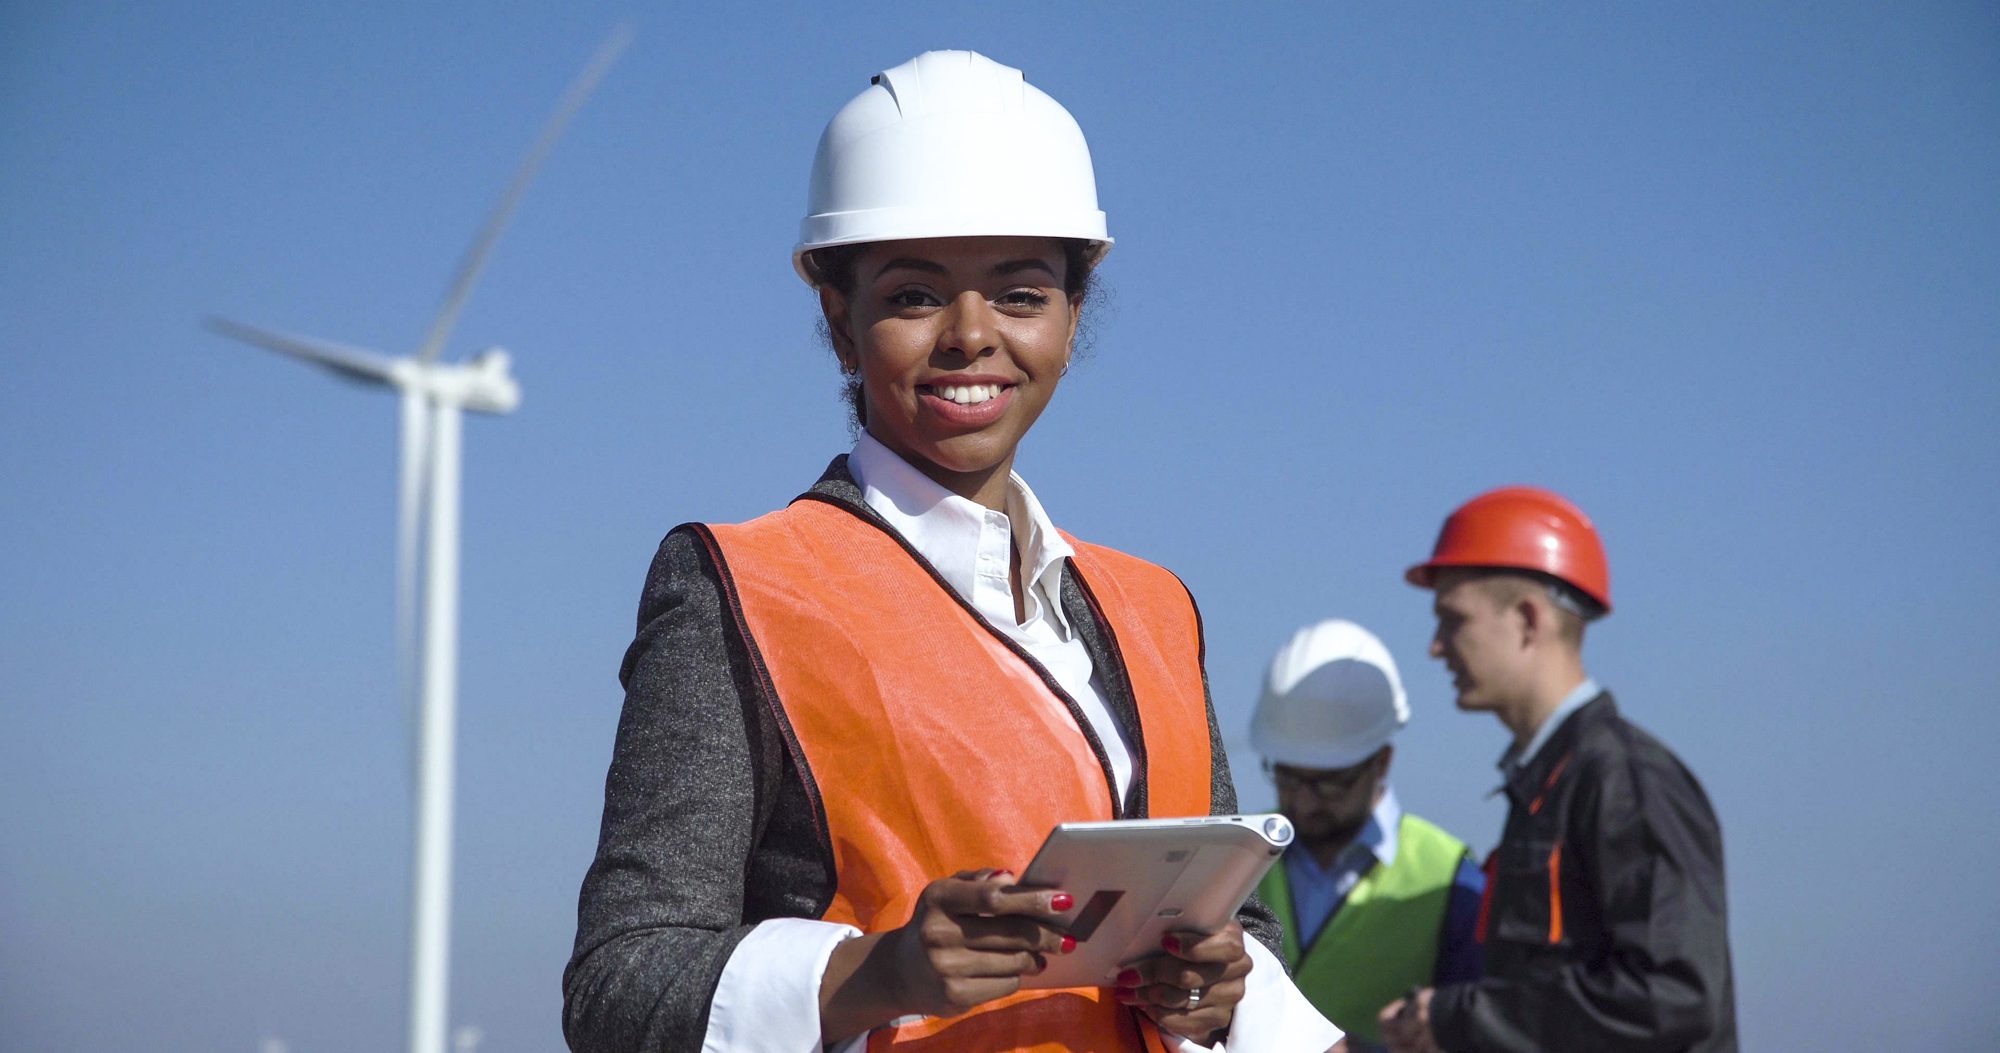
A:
1522,528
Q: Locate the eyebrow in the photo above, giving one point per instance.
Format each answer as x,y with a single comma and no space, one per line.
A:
1003,269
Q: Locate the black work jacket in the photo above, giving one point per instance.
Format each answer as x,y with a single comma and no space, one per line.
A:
1606,928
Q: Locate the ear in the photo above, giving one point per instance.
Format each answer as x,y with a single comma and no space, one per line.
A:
1535,621
1075,316
1388,754
833,307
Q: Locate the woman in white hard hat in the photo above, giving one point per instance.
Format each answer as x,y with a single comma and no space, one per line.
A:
845,719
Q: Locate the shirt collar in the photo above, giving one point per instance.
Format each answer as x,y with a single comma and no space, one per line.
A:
1382,835
1517,757
1378,839
946,529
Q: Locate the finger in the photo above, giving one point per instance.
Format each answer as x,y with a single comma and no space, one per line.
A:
1214,1012
991,965
1221,945
960,993
1001,896
973,892
1012,933
1186,976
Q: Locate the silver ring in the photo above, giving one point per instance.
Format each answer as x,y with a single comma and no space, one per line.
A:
1194,998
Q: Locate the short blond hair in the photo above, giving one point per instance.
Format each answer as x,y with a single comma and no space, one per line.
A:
1508,587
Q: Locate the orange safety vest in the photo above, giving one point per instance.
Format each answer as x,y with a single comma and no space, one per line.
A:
930,743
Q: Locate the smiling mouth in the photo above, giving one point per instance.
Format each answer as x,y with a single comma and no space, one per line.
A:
964,394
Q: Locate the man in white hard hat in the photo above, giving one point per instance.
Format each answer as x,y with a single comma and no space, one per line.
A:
1374,900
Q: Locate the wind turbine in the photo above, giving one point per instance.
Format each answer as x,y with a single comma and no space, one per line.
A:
435,395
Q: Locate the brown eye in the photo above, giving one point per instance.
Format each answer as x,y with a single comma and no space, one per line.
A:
1032,299
906,299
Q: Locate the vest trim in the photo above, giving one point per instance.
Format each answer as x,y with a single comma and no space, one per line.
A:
767,690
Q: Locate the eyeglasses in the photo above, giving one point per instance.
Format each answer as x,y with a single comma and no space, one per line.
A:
1331,783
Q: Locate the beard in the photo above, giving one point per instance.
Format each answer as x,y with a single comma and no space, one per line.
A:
1330,829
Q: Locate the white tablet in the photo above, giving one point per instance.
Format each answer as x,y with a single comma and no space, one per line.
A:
1135,880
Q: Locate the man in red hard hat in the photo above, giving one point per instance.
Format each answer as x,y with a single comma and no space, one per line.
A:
1604,926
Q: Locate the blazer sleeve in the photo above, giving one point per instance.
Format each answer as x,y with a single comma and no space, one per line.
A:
662,906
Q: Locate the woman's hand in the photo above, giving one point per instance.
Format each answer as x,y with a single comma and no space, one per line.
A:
1193,988
972,937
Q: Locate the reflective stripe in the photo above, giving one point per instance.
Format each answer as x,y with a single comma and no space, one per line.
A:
1535,806
1555,894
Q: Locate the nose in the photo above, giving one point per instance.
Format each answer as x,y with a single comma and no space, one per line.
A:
972,329
1437,645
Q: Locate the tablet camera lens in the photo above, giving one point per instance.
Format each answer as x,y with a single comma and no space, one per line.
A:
1278,829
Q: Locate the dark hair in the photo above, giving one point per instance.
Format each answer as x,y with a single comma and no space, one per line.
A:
833,267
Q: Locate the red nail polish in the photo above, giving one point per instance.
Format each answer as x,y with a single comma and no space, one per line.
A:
1129,978
1171,942
1068,943
1061,901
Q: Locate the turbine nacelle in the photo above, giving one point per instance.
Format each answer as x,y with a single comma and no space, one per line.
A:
482,385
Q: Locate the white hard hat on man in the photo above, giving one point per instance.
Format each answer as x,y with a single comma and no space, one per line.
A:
1331,699
903,160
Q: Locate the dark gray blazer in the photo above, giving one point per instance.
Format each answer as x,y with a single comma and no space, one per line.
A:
708,827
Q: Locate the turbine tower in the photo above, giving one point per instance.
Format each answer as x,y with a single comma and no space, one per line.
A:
435,394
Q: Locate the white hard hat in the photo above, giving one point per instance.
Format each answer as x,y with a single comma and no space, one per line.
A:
1331,698
949,144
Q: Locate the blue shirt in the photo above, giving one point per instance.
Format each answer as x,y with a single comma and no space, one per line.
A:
1318,892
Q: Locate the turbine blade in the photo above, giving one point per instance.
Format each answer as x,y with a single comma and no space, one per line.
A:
475,256
411,484
352,363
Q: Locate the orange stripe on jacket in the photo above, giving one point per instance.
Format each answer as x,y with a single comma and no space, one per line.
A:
1555,894
931,746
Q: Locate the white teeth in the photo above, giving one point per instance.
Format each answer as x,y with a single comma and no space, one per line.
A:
969,394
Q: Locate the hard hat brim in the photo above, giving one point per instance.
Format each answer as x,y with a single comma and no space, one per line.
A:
907,228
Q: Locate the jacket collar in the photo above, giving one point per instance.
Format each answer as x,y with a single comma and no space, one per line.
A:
1518,756
1530,780
838,483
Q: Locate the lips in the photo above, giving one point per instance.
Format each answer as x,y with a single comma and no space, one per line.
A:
967,405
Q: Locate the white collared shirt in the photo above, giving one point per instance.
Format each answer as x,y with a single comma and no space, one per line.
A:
767,999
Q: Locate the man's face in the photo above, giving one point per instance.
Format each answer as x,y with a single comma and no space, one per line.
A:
1480,640
1329,804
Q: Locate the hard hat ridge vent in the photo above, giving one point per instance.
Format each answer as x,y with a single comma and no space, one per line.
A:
950,144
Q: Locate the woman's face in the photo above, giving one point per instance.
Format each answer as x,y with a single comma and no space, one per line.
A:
959,344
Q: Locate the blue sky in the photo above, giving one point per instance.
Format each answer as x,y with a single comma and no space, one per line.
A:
1724,274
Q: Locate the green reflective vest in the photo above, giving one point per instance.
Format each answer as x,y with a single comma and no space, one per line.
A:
1384,937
